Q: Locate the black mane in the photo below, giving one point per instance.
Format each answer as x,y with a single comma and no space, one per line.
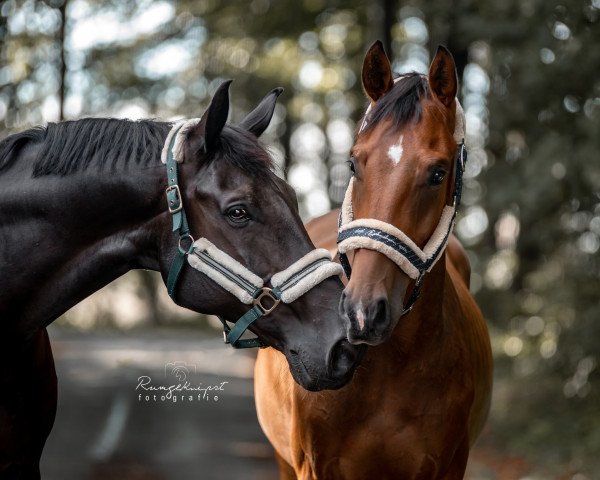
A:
401,103
73,146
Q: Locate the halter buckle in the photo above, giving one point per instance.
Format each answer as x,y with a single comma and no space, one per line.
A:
171,202
266,292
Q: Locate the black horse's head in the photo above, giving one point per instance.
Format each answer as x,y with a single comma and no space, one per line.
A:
233,199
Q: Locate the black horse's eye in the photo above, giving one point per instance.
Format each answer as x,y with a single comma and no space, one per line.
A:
238,214
351,165
437,177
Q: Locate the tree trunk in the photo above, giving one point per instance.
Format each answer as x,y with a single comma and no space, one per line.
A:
63,65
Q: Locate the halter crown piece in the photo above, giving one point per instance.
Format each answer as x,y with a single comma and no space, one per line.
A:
287,285
373,234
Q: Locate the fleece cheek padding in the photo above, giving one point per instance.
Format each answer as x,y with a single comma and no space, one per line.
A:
308,277
220,257
439,239
294,281
324,271
297,266
354,243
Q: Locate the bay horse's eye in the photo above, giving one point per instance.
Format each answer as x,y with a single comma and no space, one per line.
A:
437,177
351,165
238,214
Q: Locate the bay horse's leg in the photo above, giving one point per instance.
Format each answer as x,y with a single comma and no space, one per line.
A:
27,404
286,472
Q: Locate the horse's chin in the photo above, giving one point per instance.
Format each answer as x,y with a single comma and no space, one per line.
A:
315,382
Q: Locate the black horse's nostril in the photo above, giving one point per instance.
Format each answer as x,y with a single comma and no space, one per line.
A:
343,358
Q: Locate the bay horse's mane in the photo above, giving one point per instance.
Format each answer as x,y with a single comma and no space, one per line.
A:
73,146
401,103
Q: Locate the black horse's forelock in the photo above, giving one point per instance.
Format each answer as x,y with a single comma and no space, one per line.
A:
241,149
401,103
74,146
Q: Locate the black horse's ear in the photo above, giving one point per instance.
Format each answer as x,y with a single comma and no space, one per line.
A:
257,121
443,80
215,117
377,76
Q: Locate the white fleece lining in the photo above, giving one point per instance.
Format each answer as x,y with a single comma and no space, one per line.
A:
387,228
354,243
294,268
310,281
241,294
222,258
459,123
438,238
186,126
347,213
315,277
439,234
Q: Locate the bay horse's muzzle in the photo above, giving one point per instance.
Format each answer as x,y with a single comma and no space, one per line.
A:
369,324
372,302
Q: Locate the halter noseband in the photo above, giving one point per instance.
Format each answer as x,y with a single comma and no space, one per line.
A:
373,234
288,285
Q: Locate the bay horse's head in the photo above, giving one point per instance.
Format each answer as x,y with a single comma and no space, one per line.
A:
251,252
402,190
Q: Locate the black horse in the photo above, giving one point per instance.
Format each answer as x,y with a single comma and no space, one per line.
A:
83,202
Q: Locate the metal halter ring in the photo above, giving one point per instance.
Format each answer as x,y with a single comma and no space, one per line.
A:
266,292
186,236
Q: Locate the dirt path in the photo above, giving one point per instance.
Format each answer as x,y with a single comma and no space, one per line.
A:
109,427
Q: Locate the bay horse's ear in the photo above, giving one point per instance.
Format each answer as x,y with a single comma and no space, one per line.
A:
443,80
377,72
257,121
214,119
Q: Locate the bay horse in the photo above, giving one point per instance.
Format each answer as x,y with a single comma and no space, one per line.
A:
82,202
422,393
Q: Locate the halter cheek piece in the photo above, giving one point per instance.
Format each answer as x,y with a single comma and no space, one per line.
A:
373,234
287,285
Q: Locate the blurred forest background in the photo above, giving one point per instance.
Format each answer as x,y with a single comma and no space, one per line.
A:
530,85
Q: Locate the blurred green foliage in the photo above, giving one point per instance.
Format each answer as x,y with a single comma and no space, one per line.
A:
531,91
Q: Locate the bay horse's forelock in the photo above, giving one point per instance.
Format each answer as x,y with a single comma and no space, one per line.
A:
419,399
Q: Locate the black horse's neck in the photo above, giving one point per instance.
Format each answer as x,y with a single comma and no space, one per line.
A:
68,229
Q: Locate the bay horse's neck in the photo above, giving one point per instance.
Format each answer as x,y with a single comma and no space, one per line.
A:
425,322
68,236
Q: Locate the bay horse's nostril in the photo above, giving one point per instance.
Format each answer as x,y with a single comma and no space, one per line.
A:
381,318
